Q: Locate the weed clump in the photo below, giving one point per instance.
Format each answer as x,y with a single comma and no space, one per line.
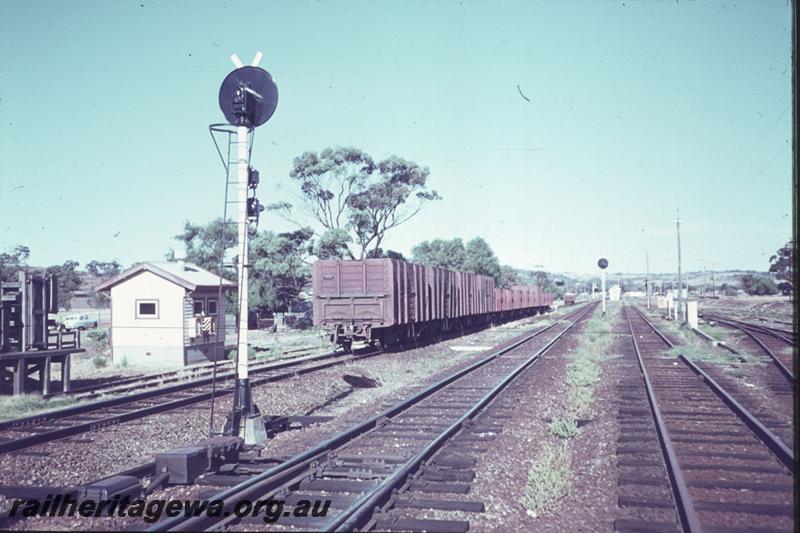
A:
548,480
579,400
564,428
583,372
702,354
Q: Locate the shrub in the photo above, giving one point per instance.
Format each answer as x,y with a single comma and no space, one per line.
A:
99,361
98,335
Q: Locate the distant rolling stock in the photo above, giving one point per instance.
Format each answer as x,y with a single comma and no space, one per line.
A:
386,301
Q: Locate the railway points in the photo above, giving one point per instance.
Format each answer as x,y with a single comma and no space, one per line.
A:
424,431
244,470
725,468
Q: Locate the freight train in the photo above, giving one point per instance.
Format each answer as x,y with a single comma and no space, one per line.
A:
388,301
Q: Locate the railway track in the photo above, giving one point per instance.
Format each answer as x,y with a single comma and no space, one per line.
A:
159,379
406,457
23,433
770,341
701,462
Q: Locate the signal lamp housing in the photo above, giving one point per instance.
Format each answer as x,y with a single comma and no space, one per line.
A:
252,178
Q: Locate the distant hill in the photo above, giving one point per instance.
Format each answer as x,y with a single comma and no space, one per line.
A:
635,281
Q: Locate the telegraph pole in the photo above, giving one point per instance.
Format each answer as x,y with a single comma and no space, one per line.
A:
681,312
647,278
713,282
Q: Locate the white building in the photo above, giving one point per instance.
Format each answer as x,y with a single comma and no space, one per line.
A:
156,310
614,293
635,294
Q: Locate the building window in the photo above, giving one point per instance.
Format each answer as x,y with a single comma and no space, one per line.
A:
212,306
199,306
146,308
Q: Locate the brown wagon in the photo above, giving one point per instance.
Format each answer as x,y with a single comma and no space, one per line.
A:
388,301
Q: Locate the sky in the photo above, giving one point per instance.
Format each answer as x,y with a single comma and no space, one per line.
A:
557,131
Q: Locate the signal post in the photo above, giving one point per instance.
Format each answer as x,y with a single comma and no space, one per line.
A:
248,97
603,264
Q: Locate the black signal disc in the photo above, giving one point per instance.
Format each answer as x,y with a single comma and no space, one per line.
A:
259,83
602,262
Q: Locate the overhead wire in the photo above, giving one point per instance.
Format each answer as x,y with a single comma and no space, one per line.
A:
718,182
752,178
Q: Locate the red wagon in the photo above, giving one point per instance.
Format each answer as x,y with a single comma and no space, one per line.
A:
387,301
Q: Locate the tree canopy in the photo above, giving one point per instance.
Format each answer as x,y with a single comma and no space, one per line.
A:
355,200
205,246
67,274
782,263
280,268
757,285
476,257
103,268
11,262
480,259
440,253
279,261
68,281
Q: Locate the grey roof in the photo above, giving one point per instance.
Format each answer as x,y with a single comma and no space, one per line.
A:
187,275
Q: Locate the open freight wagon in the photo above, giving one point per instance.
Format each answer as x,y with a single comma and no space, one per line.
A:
386,301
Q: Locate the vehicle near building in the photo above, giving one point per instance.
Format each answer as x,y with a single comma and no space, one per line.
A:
78,322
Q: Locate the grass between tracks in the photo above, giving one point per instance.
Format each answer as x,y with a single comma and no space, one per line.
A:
549,476
697,349
29,404
583,373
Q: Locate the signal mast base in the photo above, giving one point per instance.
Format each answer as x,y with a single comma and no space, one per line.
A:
245,420
253,431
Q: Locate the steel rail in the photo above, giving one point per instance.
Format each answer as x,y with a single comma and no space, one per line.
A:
193,372
741,324
43,437
785,371
91,425
296,468
770,440
683,500
788,374
27,421
361,510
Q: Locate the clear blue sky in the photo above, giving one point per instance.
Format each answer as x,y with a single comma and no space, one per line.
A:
635,108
